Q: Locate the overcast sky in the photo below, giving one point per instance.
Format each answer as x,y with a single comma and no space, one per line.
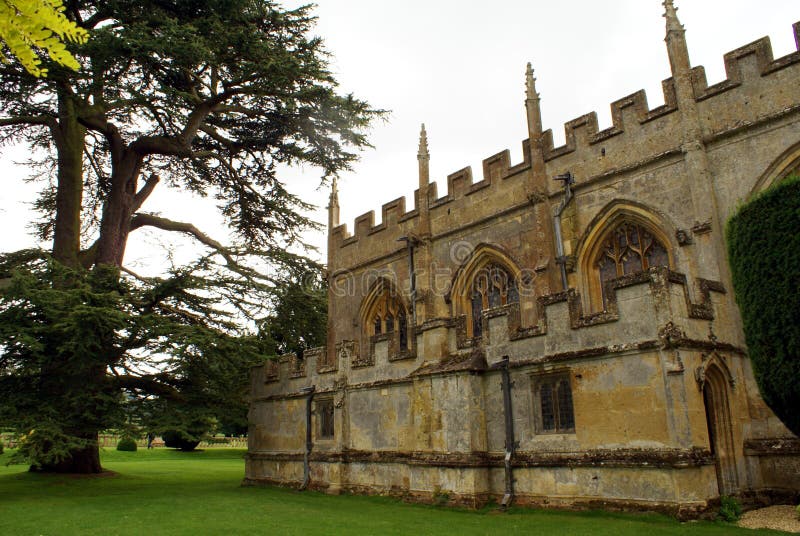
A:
458,66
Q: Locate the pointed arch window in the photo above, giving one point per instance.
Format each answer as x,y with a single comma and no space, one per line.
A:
627,249
402,328
388,317
493,286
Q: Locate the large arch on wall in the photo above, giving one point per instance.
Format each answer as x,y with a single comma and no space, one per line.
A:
606,221
783,166
460,293
382,291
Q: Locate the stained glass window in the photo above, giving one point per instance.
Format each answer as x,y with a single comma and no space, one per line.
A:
492,287
389,317
628,249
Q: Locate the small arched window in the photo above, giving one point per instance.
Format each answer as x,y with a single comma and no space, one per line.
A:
629,248
403,329
492,286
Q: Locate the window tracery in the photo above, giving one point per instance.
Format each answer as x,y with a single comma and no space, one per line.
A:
388,317
629,248
493,286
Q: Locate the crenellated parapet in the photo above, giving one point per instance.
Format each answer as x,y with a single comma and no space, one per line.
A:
737,64
757,88
397,221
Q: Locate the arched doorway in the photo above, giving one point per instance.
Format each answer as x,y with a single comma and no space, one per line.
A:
720,433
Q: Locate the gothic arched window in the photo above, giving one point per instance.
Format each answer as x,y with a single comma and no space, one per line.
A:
629,248
492,286
403,329
388,317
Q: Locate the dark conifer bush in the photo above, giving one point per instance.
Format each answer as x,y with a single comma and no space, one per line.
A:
177,440
764,250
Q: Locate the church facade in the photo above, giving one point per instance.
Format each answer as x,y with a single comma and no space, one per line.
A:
562,332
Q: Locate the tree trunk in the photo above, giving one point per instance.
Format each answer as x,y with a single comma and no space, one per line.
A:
70,142
83,461
116,222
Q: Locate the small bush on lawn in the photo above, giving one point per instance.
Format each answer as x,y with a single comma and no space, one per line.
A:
1,447
127,444
730,510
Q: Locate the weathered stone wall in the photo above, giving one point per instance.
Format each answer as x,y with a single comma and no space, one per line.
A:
653,369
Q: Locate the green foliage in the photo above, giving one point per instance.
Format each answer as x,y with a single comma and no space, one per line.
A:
2,448
30,26
55,340
211,97
764,251
47,445
299,318
797,509
730,510
46,331
127,444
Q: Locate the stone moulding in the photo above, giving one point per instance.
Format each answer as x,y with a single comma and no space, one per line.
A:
474,362
610,458
683,511
782,446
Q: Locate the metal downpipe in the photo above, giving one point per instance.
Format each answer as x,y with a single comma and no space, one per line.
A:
561,259
309,392
510,442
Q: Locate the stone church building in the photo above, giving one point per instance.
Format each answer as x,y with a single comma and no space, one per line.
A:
561,332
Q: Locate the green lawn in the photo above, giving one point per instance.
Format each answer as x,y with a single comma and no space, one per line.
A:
162,492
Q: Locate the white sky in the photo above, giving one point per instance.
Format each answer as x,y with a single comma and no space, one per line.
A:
458,66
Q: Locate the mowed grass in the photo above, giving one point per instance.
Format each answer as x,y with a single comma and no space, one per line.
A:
166,492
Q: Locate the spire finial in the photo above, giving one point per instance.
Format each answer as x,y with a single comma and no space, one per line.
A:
334,197
423,143
530,83
333,210
670,13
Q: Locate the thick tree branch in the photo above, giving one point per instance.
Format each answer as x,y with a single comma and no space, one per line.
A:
143,279
180,145
145,191
150,384
142,220
42,120
149,220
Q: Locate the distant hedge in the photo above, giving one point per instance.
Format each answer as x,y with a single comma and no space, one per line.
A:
763,240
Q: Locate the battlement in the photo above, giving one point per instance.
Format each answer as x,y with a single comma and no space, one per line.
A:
737,66
757,87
